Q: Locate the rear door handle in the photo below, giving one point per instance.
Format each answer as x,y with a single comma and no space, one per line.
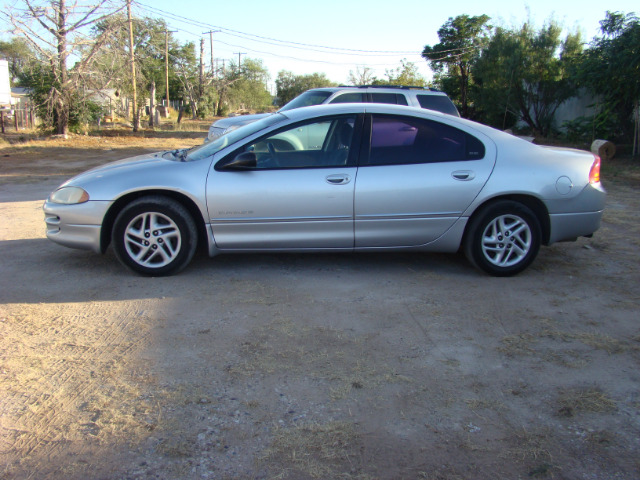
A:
338,179
463,175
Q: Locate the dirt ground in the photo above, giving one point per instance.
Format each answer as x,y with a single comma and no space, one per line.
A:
312,366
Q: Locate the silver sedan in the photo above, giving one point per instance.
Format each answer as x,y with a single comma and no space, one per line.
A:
338,178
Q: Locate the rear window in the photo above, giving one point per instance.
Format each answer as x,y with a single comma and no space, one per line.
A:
439,103
409,140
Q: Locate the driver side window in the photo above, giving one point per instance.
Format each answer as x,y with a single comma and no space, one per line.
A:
325,143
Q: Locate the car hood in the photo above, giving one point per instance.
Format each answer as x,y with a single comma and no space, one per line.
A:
151,171
147,160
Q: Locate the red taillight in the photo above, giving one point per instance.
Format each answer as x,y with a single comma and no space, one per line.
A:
594,173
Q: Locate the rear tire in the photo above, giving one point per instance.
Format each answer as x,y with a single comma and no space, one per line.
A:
154,236
503,238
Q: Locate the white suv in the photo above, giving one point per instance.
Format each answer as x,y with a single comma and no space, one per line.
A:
399,95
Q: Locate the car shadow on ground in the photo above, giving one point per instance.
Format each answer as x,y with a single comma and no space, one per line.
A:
68,275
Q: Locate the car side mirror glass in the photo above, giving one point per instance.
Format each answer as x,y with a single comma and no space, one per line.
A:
243,161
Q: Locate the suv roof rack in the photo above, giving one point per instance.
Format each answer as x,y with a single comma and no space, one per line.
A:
401,87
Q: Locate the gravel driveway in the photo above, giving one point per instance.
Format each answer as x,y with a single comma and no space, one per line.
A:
316,366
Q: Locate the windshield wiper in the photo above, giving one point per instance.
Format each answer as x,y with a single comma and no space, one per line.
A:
179,153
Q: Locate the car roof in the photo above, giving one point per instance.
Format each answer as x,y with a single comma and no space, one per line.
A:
390,88
304,113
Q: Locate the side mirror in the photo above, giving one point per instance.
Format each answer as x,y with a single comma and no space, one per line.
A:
243,161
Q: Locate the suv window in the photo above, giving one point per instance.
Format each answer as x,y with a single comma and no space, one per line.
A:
407,140
393,98
439,103
307,99
349,98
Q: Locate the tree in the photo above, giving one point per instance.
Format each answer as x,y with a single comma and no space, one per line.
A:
461,39
56,32
248,90
112,65
610,68
19,56
362,77
406,74
188,74
289,86
525,74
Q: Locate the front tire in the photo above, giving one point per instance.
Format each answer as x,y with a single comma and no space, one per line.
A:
154,236
503,238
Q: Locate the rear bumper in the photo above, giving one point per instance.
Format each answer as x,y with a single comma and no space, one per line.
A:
569,226
577,217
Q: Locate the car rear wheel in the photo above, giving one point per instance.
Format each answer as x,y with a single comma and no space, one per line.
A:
503,238
154,236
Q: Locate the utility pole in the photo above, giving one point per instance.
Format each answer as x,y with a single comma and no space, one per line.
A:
166,62
201,90
211,32
239,60
136,117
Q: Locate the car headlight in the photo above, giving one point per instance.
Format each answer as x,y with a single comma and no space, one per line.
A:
69,196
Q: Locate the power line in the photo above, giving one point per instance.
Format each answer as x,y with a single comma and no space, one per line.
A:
287,43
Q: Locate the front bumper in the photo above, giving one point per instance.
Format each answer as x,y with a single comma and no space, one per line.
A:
76,226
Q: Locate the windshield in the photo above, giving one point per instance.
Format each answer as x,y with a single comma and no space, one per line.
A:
307,99
207,149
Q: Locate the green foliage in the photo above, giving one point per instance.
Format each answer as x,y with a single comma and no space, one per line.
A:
524,75
610,69
112,64
406,74
81,112
19,56
604,124
247,87
460,41
289,86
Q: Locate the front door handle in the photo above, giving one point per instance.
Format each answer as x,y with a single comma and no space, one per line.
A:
463,175
338,179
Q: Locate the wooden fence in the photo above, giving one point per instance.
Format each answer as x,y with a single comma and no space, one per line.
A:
22,117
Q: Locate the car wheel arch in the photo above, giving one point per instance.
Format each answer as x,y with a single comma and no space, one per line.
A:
122,202
536,205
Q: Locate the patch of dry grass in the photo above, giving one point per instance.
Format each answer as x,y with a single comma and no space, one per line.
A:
595,340
483,404
517,345
580,400
530,447
317,451
319,352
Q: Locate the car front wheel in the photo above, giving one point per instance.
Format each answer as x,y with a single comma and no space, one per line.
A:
503,238
154,236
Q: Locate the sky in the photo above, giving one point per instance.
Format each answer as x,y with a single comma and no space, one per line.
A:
336,37
292,35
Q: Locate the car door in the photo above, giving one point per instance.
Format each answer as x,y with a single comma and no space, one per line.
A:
416,179
299,194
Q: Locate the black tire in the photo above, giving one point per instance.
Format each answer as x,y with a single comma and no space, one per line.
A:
503,238
154,236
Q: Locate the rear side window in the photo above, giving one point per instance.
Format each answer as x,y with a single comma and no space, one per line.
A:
393,98
440,103
407,140
349,98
